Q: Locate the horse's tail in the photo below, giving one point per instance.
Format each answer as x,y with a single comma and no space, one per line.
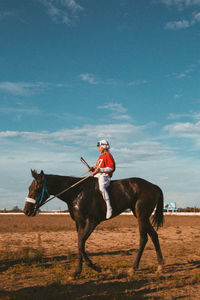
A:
158,217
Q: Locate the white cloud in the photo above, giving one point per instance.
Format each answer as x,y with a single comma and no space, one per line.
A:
56,14
90,78
121,117
196,18
72,4
79,135
173,116
180,4
183,24
8,134
137,82
62,85
19,110
186,72
27,88
7,14
186,130
177,25
62,11
117,111
21,88
117,107
177,96
93,79
145,150
181,75
192,115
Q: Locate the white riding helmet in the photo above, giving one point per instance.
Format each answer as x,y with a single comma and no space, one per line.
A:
104,144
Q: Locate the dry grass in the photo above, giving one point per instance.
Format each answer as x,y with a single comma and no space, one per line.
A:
38,256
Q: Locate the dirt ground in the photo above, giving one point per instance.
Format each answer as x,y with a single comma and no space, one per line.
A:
38,256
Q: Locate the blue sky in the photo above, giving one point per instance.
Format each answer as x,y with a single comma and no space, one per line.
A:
74,72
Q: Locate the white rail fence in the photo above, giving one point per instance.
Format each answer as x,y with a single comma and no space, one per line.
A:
125,213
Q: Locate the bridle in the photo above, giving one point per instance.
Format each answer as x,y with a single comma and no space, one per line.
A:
40,200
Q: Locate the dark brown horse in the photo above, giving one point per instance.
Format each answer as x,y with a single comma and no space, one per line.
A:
87,207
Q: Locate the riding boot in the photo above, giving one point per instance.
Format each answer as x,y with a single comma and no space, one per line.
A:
109,209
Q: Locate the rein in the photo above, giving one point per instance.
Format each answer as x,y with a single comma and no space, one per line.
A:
73,185
40,202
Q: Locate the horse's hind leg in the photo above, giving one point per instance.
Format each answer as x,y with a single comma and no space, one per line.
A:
154,237
143,240
84,231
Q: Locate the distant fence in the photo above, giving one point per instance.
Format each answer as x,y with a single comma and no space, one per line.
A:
182,213
124,213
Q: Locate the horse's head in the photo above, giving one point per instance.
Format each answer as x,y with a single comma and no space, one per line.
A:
37,194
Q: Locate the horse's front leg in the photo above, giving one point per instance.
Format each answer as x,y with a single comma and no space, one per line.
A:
84,231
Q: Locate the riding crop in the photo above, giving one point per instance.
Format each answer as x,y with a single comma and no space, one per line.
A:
84,162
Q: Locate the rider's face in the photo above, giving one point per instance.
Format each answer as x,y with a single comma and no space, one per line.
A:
101,149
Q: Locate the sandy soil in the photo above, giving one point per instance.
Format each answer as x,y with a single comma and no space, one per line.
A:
38,256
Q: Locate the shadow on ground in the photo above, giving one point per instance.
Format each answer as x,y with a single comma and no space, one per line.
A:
89,290
7,263
128,288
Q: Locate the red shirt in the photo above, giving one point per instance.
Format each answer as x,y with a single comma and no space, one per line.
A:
106,163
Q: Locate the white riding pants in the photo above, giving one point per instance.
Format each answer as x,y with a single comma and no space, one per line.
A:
104,182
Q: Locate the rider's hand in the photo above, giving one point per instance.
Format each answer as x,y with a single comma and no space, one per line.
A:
91,169
97,169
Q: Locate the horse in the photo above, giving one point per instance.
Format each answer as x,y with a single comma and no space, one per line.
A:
87,207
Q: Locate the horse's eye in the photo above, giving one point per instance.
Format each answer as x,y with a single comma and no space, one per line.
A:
37,189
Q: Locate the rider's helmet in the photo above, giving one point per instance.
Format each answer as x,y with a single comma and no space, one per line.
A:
104,144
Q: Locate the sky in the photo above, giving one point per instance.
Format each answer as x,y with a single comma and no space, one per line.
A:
74,72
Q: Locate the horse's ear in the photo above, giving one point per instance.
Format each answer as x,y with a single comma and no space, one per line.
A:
34,174
42,175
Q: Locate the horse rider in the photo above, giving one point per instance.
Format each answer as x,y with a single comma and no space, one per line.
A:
103,170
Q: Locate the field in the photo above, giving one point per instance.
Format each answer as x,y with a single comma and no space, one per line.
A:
39,255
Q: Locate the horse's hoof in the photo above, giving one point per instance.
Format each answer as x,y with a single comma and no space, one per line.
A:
131,272
97,268
76,274
159,269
